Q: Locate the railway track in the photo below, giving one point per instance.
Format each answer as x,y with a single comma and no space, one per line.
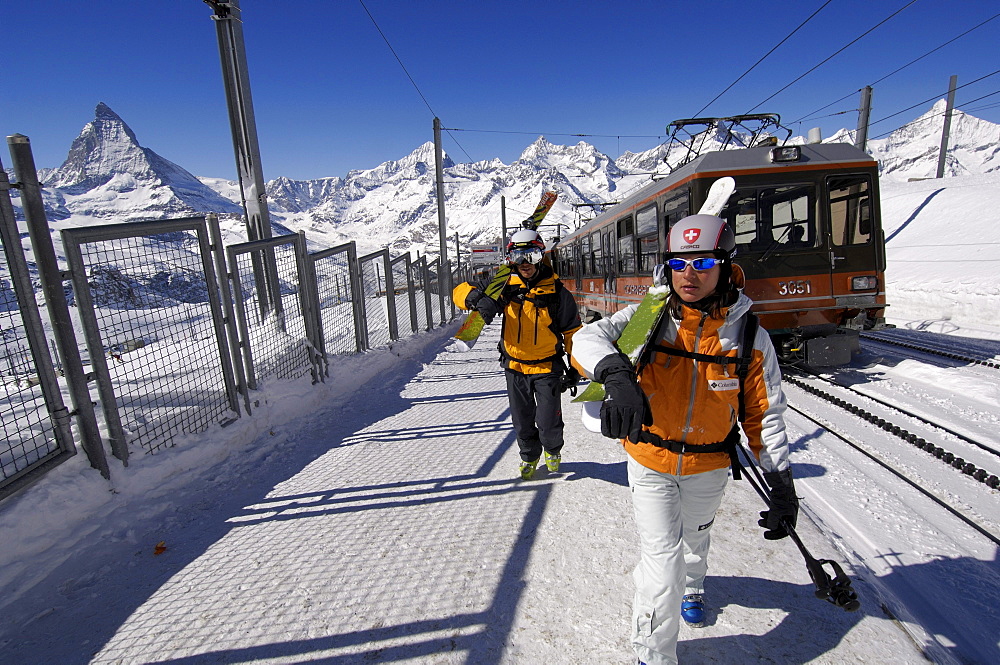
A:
918,441
935,348
894,491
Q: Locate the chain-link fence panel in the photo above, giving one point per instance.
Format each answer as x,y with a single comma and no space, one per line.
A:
270,288
336,288
30,443
406,314
435,293
418,272
148,300
375,292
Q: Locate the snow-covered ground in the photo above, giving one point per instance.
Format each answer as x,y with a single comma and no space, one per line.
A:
376,518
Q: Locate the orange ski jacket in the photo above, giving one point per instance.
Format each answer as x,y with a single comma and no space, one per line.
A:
697,402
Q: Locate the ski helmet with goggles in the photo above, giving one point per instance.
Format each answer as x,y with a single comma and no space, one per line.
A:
525,246
700,234
704,234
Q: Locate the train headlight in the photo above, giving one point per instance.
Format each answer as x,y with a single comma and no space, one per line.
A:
791,153
867,283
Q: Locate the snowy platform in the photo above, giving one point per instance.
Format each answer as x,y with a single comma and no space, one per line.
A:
387,525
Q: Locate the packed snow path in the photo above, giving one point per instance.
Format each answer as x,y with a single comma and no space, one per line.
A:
390,527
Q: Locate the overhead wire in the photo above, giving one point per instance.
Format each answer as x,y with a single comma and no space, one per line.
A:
838,52
936,115
894,72
752,67
407,72
934,98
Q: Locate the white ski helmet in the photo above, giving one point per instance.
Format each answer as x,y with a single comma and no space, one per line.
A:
525,239
701,233
525,246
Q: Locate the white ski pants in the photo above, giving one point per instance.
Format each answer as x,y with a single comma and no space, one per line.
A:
674,516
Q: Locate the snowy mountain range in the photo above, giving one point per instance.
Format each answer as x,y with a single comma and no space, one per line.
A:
109,177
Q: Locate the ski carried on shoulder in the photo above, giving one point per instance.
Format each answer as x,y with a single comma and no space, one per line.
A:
637,332
474,323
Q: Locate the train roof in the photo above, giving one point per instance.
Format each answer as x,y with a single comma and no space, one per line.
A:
731,162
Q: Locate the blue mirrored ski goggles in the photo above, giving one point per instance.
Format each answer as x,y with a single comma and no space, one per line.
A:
519,256
678,265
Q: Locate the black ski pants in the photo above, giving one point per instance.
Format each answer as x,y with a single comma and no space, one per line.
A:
536,412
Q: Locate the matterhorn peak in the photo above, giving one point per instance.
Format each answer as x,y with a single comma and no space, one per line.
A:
104,147
114,176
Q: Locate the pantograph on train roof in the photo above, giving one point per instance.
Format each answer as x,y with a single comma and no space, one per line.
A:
696,135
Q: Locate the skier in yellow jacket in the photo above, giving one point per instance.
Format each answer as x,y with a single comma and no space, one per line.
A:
539,319
679,422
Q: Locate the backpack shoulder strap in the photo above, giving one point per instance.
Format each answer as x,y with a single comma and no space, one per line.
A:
750,325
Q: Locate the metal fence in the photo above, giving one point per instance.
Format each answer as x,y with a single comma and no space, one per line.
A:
179,331
36,423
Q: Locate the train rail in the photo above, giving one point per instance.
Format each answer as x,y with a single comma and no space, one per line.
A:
932,348
970,459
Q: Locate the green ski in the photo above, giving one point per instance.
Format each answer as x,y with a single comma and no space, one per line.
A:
474,323
635,336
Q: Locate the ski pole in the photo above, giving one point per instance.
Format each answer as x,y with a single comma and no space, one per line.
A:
835,589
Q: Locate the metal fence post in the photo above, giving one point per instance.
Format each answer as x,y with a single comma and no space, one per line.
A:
222,277
309,303
59,416
51,279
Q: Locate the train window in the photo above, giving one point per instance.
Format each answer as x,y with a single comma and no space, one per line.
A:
648,239
769,217
596,255
585,255
741,213
850,209
608,248
676,207
626,245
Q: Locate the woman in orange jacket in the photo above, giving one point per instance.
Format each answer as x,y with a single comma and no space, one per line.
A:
679,422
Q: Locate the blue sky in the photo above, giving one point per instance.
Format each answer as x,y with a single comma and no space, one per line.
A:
330,96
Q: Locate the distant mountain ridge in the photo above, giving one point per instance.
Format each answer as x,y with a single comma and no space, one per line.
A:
109,176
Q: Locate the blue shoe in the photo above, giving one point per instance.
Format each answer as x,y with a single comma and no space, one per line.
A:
693,610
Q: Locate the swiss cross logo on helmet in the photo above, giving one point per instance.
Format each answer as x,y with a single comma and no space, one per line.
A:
690,235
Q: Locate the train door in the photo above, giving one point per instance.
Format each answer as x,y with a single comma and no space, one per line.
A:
852,237
610,261
578,264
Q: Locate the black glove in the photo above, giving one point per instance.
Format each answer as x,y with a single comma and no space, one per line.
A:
569,380
625,409
482,303
487,308
784,505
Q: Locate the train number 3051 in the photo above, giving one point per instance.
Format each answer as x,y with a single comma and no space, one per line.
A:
794,288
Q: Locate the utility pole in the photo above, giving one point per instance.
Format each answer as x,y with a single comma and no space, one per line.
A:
947,125
861,137
503,219
439,177
232,52
236,79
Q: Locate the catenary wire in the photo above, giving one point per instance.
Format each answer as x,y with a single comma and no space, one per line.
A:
752,67
996,92
406,71
892,73
841,50
935,97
